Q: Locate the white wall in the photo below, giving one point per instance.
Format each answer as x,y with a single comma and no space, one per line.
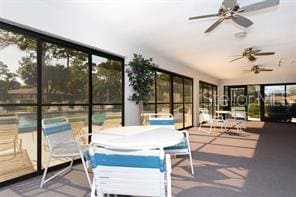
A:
68,21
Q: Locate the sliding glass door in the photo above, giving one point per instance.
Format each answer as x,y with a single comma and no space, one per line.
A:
208,97
253,97
43,77
171,93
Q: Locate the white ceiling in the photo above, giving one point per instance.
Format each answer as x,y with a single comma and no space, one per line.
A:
162,26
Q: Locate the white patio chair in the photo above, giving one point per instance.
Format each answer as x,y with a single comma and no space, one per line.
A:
183,148
61,143
206,118
130,172
240,118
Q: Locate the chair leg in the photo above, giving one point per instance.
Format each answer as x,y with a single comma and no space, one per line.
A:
85,169
191,163
45,171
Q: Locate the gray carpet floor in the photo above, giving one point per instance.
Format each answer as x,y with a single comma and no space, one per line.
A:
260,161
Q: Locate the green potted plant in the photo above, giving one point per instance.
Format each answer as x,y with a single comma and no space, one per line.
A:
141,73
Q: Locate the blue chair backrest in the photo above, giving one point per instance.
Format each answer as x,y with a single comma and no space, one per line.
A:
166,120
128,172
57,130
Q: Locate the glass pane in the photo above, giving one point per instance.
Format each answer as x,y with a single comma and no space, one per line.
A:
18,141
254,102
178,116
18,68
188,115
106,116
148,109
188,90
291,94
163,87
78,118
237,97
163,108
64,75
291,100
274,102
178,89
107,80
152,93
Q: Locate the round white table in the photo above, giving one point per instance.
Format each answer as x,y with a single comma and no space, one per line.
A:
137,137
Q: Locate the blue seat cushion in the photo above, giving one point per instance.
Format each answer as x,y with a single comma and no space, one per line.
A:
181,145
161,122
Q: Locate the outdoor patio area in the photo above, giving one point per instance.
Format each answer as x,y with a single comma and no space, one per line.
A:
258,162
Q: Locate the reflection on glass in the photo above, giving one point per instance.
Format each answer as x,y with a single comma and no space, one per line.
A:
188,115
188,90
237,97
18,142
208,97
274,102
65,75
163,108
254,102
148,109
178,89
18,68
163,87
106,116
107,80
291,94
178,115
78,118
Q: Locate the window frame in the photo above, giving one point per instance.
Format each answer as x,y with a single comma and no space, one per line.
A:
44,37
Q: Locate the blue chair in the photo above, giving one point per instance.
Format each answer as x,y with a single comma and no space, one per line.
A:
183,148
130,172
61,143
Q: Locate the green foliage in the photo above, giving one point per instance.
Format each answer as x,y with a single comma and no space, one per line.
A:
141,75
254,110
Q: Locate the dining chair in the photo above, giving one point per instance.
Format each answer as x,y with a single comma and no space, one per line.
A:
167,120
61,143
130,172
206,118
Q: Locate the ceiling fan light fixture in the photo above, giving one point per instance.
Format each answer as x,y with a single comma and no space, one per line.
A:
241,34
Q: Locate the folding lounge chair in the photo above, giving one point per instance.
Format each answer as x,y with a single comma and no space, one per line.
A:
61,143
183,148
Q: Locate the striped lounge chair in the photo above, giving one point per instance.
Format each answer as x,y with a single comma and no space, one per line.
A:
130,172
61,142
183,148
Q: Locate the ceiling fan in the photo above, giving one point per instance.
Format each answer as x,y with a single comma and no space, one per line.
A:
251,54
257,69
230,9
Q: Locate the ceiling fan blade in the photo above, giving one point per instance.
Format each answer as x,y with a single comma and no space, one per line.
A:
229,4
203,16
259,5
214,25
264,53
236,59
242,21
251,58
265,69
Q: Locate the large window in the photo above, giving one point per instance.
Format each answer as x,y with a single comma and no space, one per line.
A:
43,77
171,93
18,105
274,102
208,97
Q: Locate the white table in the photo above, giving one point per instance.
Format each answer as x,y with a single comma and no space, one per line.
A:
137,137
